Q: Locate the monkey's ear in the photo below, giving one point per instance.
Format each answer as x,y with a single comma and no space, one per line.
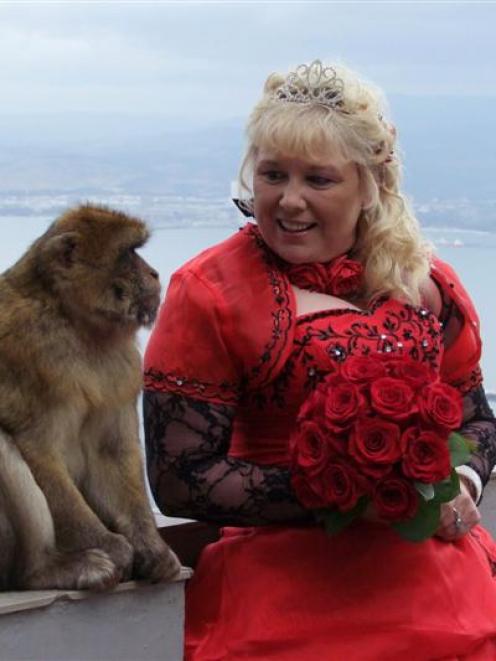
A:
61,248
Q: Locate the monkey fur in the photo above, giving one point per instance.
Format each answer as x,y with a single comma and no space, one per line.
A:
74,513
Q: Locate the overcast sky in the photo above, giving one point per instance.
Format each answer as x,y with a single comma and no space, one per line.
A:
204,60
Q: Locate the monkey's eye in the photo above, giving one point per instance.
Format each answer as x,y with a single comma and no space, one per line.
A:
127,254
135,247
118,292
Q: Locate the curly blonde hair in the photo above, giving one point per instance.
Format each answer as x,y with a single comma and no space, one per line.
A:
395,257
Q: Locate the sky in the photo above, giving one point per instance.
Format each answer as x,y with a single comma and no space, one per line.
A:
207,61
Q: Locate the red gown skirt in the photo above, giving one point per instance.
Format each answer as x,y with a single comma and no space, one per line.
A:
296,594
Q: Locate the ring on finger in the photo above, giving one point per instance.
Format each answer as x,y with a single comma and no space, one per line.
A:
458,521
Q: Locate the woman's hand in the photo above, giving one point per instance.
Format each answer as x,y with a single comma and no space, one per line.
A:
458,516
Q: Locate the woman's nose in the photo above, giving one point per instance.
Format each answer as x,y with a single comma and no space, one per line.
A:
293,197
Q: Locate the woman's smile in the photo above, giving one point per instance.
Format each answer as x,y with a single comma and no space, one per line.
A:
295,227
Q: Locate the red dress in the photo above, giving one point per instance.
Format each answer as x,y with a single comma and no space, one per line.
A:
292,593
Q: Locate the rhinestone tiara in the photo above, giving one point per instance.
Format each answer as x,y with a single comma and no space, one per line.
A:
312,83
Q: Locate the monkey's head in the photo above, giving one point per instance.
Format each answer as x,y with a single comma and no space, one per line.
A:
88,259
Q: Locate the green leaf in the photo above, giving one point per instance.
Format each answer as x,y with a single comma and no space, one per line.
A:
425,490
460,449
447,489
423,525
334,521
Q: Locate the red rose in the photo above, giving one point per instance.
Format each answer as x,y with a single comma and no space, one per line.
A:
309,448
343,403
414,373
395,499
339,277
313,407
426,455
345,276
342,484
441,405
309,276
338,443
305,493
375,445
392,398
362,369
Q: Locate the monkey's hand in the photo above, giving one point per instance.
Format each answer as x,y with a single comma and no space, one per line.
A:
91,569
155,560
121,553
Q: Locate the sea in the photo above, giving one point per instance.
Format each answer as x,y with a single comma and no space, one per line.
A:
472,253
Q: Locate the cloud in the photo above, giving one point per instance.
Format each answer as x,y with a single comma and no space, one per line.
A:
212,58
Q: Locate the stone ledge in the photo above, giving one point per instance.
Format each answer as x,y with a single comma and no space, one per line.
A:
12,602
136,620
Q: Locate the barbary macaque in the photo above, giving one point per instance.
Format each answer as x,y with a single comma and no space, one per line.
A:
74,513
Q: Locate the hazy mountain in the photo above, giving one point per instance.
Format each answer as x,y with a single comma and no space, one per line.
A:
449,147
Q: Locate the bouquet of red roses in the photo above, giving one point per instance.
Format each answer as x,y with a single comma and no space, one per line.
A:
379,430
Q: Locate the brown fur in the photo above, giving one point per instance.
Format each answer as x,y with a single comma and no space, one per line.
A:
73,507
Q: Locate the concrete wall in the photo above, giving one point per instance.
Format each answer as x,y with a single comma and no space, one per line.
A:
136,622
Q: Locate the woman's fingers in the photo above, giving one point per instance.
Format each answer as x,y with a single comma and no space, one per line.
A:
458,516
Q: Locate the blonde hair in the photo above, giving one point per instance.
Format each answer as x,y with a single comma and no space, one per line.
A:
389,244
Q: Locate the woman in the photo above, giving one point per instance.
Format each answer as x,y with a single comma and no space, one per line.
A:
335,266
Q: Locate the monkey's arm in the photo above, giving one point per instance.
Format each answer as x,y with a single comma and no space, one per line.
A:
115,488
31,560
190,474
77,527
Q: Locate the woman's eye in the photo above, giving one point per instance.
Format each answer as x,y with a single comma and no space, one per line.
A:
273,175
320,181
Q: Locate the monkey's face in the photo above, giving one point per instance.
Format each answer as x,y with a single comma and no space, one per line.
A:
92,264
125,292
135,290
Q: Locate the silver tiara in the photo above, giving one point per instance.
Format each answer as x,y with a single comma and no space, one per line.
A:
312,83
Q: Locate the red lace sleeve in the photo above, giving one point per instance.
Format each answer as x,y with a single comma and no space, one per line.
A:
226,324
187,352
461,368
460,365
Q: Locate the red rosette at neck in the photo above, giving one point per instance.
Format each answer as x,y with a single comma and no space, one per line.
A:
341,276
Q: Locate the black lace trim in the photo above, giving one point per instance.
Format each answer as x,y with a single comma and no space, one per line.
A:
282,316
470,382
395,334
191,474
172,382
480,427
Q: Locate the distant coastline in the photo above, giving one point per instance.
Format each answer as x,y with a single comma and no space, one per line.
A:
191,209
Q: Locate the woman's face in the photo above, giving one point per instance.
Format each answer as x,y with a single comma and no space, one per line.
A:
306,211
